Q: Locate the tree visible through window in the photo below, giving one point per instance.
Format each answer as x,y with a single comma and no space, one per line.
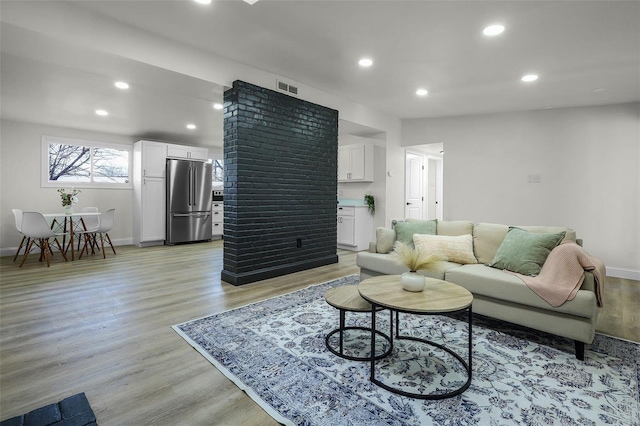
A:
218,170
69,162
72,161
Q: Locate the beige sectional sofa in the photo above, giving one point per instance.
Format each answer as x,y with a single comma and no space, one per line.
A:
498,294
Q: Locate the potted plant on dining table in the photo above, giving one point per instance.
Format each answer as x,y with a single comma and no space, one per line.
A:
69,198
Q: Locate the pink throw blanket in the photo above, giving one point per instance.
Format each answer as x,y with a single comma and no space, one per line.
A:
563,273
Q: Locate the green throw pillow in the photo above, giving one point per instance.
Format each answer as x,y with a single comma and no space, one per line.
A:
405,230
525,252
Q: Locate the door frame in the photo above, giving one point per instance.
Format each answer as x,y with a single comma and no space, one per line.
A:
439,186
421,179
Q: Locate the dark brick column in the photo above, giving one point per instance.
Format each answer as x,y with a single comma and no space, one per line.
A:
280,186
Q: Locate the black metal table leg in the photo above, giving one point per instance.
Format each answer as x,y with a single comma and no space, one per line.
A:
466,364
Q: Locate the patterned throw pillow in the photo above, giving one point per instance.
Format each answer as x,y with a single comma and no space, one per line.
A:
525,252
458,249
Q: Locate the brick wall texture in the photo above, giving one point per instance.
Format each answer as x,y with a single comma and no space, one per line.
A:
280,185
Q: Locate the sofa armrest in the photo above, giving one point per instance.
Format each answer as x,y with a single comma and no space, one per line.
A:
589,282
372,247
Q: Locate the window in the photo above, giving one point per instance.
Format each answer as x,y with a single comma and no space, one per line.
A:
84,164
218,171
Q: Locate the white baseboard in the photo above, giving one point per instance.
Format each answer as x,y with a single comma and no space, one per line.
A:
123,242
628,274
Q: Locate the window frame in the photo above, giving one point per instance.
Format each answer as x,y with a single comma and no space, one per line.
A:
44,167
215,159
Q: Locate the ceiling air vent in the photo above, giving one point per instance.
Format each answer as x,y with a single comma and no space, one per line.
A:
287,88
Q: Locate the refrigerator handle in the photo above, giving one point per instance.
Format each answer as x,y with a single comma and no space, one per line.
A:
190,185
193,185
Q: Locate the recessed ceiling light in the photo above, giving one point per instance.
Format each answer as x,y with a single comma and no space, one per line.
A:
217,106
102,112
529,78
191,126
493,30
365,62
422,92
203,1
121,85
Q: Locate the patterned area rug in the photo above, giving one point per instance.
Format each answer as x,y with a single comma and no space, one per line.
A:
275,351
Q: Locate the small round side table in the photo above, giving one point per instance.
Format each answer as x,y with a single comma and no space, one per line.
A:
347,298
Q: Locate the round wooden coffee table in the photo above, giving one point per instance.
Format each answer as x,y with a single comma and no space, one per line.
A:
347,298
438,297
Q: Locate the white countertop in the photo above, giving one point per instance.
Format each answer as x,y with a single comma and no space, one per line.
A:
351,202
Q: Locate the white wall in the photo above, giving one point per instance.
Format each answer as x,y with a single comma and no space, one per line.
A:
588,159
20,158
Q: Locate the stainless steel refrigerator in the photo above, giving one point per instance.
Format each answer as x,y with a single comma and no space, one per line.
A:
188,201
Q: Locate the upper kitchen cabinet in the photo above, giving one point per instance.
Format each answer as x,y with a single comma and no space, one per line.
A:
188,152
355,163
153,158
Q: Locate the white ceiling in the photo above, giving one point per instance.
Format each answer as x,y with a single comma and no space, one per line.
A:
575,47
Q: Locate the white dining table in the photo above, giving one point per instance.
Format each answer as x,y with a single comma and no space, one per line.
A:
69,218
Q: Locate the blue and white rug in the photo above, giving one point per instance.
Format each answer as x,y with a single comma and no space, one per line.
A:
275,351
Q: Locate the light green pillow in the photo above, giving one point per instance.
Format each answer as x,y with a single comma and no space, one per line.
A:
525,252
405,230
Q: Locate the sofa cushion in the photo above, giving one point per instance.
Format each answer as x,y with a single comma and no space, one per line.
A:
495,283
525,252
457,249
382,263
454,227
487,237
405,230
385,238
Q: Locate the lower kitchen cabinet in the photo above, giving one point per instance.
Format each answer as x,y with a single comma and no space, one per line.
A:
149,213
217,224
355,227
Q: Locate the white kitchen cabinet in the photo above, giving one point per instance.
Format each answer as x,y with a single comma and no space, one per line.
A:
355,163
149,193
187,152
354,226
217,223
153,210
154,158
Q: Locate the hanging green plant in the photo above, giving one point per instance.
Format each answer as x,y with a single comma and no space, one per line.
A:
371,203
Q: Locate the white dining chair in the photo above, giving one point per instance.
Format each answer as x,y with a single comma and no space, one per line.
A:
36,228
106,223
89,225
17,213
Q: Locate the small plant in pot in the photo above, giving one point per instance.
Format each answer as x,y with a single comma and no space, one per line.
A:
371,203
416,260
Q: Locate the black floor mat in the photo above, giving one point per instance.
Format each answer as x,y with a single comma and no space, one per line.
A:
72,411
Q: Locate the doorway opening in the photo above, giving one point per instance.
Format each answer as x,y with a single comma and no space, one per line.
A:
424,171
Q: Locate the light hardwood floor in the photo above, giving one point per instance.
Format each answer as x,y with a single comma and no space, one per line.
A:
103,327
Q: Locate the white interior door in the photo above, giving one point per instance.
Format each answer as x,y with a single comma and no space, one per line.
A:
413,186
